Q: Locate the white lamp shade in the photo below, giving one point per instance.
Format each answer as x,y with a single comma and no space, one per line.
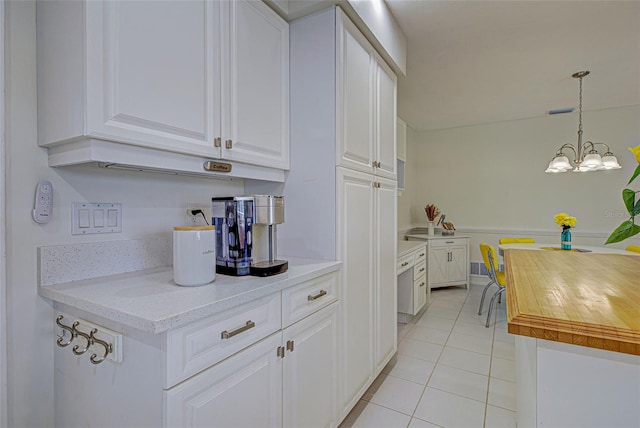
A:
592,160
561,163
610,162
584,168
552,170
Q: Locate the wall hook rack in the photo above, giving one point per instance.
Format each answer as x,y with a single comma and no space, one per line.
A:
108,346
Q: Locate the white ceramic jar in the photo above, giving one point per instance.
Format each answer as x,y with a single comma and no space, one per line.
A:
194,255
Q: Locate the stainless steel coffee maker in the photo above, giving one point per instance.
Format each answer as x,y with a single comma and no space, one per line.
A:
268,211
246,236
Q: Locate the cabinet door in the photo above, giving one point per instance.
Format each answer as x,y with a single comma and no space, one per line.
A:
310,377
255,105
385,153
244,390
438,265
386,292
457,264
355,249
355,97
150,71
420,294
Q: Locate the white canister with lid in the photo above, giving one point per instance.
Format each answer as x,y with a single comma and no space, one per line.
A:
194,255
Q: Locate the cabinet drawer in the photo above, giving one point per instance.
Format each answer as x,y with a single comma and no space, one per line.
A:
195,347
420,269
308,297
447,242
420,255
405,263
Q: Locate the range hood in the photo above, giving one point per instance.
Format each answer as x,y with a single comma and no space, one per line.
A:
108,154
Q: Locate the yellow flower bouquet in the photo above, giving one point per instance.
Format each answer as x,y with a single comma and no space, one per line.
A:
565,220
628,228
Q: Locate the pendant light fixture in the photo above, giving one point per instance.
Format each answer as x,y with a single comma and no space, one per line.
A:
586,157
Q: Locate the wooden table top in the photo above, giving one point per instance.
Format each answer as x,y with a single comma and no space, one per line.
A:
586,299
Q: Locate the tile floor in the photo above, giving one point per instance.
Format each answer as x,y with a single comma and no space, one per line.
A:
450,370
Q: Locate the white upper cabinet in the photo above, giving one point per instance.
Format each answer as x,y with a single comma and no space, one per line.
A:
355,100
385,120
257,117
148,75
199,78
366,105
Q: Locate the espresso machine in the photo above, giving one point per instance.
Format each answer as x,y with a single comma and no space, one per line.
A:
268,211
246,241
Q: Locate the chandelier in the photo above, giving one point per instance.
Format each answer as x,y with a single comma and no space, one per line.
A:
586,157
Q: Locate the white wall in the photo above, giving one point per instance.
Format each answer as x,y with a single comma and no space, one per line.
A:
489,179
152,205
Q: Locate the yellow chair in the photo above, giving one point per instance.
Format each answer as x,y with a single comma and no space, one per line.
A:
517,241
490,258
634,248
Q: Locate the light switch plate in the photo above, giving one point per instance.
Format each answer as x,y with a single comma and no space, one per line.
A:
88,218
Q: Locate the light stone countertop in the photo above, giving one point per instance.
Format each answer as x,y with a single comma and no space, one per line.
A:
150,301
406,247
426,237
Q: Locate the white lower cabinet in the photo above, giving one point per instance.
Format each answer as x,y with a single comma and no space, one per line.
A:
367,209
412,283
447,262
244,367
288,379
311,370
244,390
419,280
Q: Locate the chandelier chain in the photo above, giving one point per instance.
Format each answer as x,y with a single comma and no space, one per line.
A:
580,108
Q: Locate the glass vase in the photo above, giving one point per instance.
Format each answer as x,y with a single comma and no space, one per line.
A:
565,238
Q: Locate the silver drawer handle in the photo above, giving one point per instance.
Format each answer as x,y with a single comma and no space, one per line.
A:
317,296
229,334
404,264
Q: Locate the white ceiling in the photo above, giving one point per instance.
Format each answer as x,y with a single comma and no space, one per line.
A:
473,62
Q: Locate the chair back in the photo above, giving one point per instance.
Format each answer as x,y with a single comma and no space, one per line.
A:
517,241
634,248
490,258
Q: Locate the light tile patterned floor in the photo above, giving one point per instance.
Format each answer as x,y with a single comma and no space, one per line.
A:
450,371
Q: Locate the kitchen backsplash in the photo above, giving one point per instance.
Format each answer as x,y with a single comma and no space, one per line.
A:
74,262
